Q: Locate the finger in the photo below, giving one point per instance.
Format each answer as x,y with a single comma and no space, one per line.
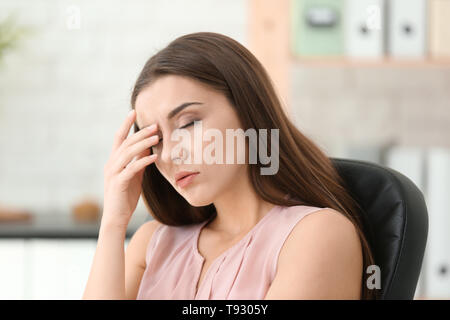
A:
128,154
124,129
138,136
134,168
141,155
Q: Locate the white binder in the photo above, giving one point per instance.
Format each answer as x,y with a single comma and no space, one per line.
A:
407,28
364,28
437,253
411,162
439,17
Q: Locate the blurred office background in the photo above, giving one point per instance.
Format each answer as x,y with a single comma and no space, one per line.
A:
365,79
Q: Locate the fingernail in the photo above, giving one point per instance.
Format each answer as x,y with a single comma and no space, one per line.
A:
130,113
152,127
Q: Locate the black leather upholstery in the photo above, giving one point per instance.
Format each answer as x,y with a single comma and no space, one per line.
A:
396,219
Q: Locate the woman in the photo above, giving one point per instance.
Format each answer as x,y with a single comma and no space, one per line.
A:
225,231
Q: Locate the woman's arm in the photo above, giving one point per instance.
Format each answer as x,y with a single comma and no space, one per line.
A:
321,259
107,277
135,255
113,274
123,173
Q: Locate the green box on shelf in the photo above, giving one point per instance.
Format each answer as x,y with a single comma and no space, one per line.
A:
317,27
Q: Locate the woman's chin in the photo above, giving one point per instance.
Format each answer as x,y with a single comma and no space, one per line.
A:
197,200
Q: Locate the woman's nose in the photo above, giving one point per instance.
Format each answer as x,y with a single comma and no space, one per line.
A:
175,152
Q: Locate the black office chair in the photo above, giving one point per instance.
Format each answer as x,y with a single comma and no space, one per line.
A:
396,218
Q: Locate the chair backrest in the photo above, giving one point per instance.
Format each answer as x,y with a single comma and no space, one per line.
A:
396,218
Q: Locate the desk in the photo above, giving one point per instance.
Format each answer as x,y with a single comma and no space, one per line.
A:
48,257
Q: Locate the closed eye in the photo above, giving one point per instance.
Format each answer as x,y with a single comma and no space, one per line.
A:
187,125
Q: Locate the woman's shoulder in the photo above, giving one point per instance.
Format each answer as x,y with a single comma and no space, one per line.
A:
300,208
306,209
144,233
323,250
312,216
321,225
311,212
148,228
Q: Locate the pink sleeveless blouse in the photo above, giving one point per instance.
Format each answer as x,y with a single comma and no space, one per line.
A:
243,271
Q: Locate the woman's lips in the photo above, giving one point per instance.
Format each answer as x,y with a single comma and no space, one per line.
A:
183,182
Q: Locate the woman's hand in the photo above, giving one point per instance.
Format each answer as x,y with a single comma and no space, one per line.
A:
124,170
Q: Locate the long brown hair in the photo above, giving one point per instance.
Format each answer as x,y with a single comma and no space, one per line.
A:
305,172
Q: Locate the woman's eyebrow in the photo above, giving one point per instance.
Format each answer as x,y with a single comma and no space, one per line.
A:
178,109
175,111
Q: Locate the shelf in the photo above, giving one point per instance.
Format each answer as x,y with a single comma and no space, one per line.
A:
376,62
55,225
